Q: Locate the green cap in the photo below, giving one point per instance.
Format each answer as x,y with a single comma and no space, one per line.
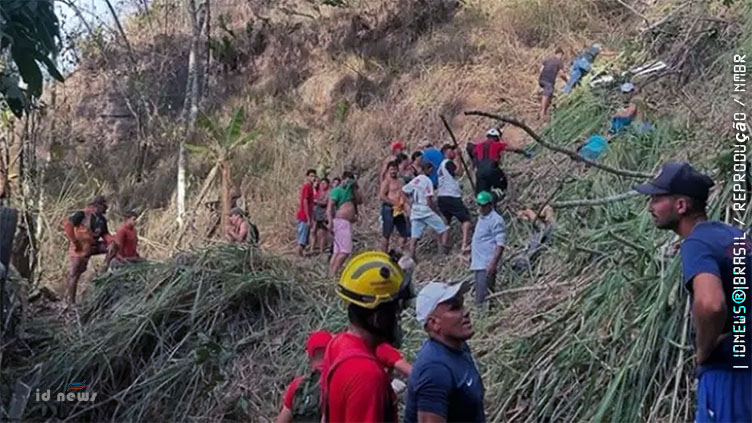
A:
483,198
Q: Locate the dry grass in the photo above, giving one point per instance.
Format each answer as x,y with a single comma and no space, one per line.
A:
551,351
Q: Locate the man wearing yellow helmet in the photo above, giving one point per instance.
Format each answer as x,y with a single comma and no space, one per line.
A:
355,386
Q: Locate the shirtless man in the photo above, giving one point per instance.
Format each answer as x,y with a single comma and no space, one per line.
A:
397,148
393,213
342,212
239,229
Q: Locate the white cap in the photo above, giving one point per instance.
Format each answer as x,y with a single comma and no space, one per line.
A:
627,87
434,294
493,132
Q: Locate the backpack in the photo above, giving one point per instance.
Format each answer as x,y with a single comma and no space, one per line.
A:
253,234
390,411
307,398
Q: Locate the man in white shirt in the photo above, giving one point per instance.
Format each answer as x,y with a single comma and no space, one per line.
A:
423,209
489,239
450,194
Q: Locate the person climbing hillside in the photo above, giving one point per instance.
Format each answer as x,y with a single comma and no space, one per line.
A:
83,246
445,384
320,223
355,387
126,241
342,211
423,210
432,155
489,239
393,210
486,157
581,66
449,193
547,80
240,230
397,148
305,211
715,258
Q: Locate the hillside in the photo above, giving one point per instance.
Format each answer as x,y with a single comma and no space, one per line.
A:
594,331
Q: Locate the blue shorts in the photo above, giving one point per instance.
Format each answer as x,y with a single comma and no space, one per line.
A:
724,396
433,221
303,229
389,221
618,124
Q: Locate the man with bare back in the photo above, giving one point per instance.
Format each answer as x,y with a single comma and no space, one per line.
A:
393,213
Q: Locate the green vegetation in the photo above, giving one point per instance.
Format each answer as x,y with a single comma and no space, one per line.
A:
29,29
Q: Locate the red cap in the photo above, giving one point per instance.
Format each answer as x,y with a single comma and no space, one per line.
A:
398,145
316,340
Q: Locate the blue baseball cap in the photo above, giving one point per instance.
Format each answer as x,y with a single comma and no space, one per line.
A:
678,178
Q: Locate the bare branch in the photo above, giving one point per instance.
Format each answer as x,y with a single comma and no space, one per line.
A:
596,201
572,154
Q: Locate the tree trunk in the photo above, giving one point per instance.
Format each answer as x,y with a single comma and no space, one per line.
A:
191,104
225,194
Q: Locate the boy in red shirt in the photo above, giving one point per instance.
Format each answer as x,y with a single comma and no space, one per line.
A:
126,240
305,211
315,347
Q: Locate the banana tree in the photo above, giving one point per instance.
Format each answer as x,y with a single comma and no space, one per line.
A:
224,141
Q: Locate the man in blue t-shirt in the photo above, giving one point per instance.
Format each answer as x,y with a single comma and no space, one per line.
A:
434,156
715,263
445,385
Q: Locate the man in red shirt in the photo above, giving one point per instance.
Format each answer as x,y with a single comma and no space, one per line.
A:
305,210
315,347
355,385
126,241
486,158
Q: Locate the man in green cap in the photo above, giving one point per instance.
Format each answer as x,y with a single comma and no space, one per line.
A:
489,239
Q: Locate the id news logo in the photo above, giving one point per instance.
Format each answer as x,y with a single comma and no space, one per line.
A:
73,393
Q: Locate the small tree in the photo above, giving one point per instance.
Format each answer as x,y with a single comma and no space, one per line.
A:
224,142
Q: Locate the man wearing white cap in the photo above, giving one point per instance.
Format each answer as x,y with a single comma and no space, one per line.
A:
486,157
445,385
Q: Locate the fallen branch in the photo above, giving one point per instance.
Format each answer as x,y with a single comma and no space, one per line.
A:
572,154
596,201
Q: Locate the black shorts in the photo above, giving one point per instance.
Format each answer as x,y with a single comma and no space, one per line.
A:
488,179
453,207
389,222
548,88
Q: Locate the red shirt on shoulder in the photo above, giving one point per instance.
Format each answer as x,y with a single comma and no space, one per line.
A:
127,242
306,196
358,388
494,150
388,355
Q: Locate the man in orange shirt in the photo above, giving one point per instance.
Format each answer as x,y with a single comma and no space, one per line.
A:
88,236
355,385
79,251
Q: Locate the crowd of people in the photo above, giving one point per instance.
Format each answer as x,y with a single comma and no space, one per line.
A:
416,195
350,373
353,369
